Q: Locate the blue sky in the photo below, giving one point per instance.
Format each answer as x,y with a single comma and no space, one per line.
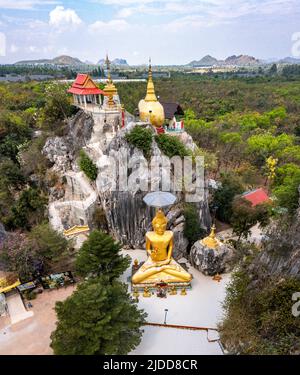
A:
170,31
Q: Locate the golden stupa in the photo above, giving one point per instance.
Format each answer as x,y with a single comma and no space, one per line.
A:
150,108
211,241
110,89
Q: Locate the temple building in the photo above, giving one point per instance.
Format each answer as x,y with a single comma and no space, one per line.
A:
85,91
104,105
150,109
174,117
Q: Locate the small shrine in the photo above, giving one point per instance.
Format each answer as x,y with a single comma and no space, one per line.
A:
85,92
174,113
211,256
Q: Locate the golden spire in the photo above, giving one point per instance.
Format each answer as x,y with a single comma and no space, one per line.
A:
150,97
110,88
107,62
211,241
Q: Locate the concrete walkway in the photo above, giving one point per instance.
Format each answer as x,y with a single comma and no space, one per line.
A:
16,308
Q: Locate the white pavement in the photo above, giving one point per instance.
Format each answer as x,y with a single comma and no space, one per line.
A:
201,307
16,308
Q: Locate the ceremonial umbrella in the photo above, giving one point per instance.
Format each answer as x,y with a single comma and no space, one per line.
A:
159,199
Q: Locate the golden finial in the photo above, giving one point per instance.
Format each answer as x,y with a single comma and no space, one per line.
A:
135,263
211,241
150,96
110,88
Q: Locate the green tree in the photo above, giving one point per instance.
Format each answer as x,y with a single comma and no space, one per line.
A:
56,109
100,255
262,146
245,216
223,197
50,244
28,210
87,166
286,186
192,229
98,319
273,70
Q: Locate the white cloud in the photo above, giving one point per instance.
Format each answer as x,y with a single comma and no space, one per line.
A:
61,17
104,27
13,48
220,9
24,4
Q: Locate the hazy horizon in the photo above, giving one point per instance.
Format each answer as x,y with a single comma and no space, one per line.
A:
172,32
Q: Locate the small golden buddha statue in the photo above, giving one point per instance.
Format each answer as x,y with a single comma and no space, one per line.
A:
135,293
160,266
146,292
183,292
173,291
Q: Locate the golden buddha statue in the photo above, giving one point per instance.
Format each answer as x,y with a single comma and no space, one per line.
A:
150,108
160,266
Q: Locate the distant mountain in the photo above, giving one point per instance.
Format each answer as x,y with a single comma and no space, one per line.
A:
205,61
289,60
88,62
117,62
241,60
60,60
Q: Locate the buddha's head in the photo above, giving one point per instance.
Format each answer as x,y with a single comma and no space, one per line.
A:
160,222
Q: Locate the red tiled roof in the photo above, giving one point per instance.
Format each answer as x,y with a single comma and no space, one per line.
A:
80,83
256,197
83,91
80,79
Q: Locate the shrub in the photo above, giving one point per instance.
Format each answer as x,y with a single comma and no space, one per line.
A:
87,166
171,146
192,228
258,318
141,138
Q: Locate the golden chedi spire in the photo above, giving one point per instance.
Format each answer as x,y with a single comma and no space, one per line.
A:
150,96
211,240
110,89
150,108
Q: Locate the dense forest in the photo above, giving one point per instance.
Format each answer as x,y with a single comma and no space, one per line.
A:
248,129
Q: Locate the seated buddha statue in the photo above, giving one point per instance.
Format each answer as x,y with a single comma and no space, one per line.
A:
160,266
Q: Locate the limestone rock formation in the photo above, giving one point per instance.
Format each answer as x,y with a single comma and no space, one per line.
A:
128,217
211,261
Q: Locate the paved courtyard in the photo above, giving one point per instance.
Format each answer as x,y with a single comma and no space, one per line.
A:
32,336
200,307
